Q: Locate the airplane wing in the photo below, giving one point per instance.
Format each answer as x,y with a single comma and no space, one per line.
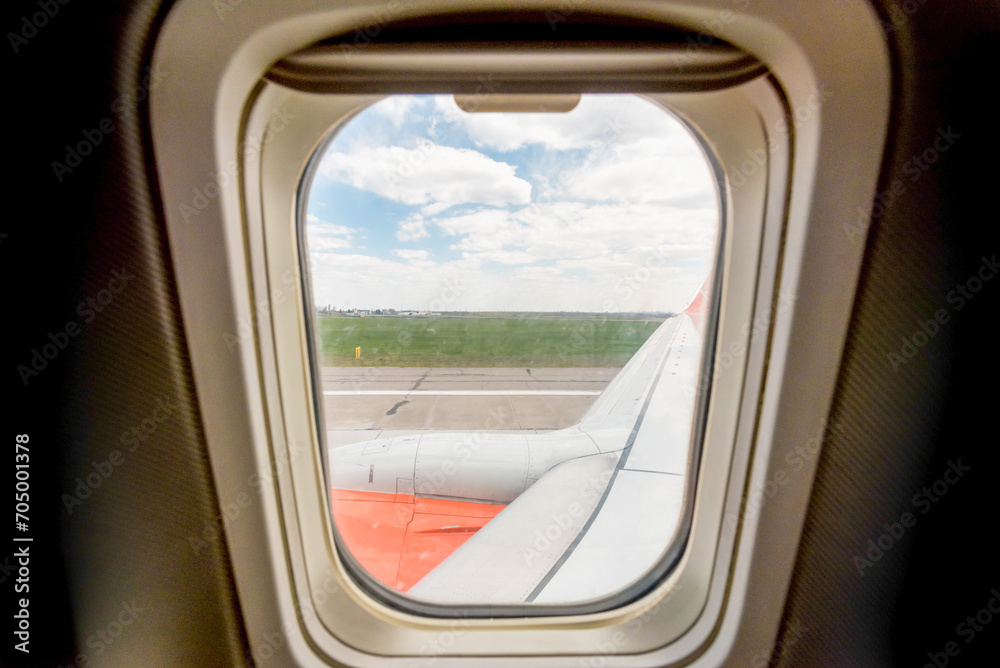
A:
594,523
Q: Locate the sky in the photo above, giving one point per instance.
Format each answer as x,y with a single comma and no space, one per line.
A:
418,205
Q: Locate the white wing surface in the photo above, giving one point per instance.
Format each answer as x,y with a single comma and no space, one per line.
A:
598,521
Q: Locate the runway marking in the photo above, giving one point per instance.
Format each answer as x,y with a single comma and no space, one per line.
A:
462,393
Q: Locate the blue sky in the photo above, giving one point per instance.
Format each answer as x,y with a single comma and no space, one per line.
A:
419,205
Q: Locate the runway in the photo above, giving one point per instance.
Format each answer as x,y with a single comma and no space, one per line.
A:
461,393
363,403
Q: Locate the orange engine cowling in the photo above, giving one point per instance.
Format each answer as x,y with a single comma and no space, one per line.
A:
399,538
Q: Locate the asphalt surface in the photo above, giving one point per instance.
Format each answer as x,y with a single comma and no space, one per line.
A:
363,403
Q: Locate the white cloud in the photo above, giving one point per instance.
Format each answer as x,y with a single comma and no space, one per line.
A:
657,169
435,208
504,256
396,108
320,226
538,273
364,281
410,254
320,243
326,236
429,174
487,229
565,230
617,283
413,228
631,227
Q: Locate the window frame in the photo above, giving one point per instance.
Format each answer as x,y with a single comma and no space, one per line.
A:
277,179
279,577
672,551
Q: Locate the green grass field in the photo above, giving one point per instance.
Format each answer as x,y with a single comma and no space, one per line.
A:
457,341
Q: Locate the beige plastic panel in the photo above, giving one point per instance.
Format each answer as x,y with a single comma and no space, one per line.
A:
722,607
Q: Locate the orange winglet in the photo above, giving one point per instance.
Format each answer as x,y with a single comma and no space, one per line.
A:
697,309
399,539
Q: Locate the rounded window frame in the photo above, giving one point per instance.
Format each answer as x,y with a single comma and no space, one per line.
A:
192,116
672,553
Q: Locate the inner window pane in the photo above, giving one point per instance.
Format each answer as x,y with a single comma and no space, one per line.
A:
507,341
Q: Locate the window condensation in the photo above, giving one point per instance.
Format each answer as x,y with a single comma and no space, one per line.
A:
509,323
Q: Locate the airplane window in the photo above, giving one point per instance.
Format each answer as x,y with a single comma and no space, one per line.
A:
509,326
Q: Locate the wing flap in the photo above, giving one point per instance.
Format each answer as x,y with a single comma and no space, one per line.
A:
628,536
